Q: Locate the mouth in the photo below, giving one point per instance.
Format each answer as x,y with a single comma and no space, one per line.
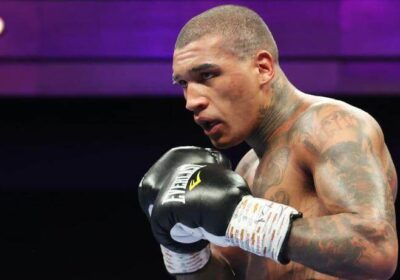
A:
209,127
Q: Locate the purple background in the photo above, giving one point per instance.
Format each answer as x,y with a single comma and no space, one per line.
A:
70,165
124,48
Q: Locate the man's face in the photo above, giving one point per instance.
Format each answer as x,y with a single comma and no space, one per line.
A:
221,90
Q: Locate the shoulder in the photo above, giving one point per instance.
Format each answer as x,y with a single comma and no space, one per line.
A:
246,164
330,122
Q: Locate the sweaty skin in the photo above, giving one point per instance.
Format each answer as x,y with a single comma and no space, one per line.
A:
321,156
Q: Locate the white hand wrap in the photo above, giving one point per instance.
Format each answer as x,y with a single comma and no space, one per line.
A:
178,263
261,227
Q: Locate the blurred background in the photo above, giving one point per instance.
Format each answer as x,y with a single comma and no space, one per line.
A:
87,106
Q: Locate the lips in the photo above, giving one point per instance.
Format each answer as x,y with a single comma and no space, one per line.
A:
207,124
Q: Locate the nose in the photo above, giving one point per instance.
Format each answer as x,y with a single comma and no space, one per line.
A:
195,100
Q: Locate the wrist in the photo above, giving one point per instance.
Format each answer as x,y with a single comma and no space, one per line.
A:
261,227
182,263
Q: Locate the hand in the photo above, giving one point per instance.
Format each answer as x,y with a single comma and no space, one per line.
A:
159,173
195,207
156,178
211,203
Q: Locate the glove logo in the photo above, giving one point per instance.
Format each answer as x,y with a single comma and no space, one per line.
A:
194,183
177,190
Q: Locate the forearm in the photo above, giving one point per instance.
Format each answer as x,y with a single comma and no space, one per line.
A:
344,245
216,268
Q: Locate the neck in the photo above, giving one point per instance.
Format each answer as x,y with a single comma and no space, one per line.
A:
283,102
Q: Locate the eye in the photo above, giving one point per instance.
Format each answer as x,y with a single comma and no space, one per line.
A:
206,75
182,83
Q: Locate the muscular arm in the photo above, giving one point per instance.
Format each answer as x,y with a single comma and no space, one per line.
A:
358,241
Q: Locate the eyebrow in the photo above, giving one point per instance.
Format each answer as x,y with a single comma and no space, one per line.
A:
201,67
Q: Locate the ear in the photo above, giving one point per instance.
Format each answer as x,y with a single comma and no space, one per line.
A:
265,65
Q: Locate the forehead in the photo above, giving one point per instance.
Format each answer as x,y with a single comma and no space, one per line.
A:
208,49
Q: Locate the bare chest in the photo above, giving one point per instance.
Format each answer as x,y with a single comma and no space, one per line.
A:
279,177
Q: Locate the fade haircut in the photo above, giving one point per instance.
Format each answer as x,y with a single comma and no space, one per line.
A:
243,31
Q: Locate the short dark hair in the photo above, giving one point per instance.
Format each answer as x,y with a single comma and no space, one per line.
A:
243,29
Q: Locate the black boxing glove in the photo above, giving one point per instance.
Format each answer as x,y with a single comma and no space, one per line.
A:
200,203
197,197
156,178
159,173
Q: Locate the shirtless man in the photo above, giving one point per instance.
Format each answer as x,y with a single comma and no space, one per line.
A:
319,161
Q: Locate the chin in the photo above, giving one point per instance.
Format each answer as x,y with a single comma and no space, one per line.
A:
221,146
224,144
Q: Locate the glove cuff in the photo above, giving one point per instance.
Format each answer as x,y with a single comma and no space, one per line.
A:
261,227
179,263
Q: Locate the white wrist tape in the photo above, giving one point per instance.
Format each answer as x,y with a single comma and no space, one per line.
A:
178,263
261,227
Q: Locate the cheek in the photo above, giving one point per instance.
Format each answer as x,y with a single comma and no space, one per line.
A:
239,87
236,97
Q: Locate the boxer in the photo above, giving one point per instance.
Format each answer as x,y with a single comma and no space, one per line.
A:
314,196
